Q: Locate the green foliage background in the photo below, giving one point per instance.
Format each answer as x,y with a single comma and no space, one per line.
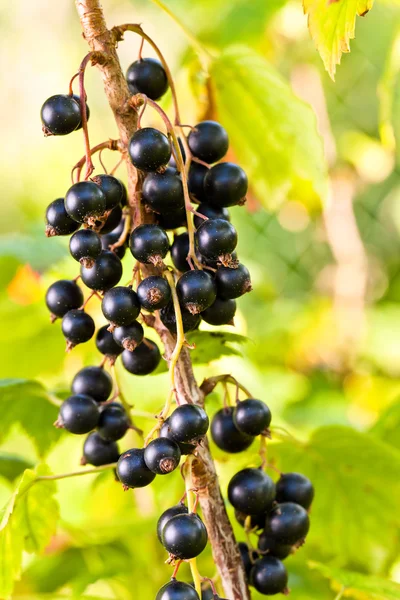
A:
323,353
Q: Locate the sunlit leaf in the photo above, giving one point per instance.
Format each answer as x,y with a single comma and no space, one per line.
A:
12,465
210,345
387,426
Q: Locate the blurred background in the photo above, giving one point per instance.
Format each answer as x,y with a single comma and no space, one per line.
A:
323,321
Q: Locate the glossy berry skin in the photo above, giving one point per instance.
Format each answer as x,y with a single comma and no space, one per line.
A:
179,252
232,283
178,509
188,423
162,456
77,327
251,491
294,487
85,246
208,141
113,422
197,173
129,336
216,238
225,433
105,272
196,291
256,521
85,201
60,115
269,576
163,192
288,523
94,382
177,590
149,149
106,344
221,312
147,76
268,544
149,244
58,221
226,185
165,432
190,321
252,416
120,306
154,292
132,470
172,220
112,189
98,452
184,536
62,296
78,414
211,212
143,360
247,560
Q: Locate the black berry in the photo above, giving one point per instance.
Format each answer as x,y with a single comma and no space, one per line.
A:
111,223
129,336
208,141
248,559
78,414
94,382
106,344
162,456
177,590
196,291
269,576
190,321
172,220
113,422
232,283
184,536
154,293
62,296
149,149
226,185
58,221
256,521
267,544
216,238
105,272
188,423
85,246
211,212
163,192
149,244
294,487
147,76
252,416
143,360
112,189
60,115
288,523
221,312
132,470
179,252
165,432
85,201
108,240
178,509
225,433
77,326
98,452
251,491
197,173
120,306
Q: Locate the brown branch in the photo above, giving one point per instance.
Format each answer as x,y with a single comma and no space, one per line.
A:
223,543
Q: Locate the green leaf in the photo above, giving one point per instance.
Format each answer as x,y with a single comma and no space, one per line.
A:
273,134
356,585
211,345
12,465
387,426
27,403
31,249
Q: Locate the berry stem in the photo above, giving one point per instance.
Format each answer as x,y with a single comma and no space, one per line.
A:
191,504
82,95
209,384
122,238
109,144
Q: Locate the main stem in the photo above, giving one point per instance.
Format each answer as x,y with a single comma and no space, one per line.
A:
204,476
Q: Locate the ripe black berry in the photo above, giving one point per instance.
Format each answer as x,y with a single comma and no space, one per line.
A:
252,416
147,76
232,283
267,544
184,536
60,115
132,470
62,296
149,244
211,212
165,432
208,141
197,173
129,336
104,274
149,149
196,291
112,221
188,423
113,422
216,238
248,559
106,344
221,312
78,414
189,320
294,487
256,521
108,240
120,306
251,491
154,293
179,252
162,456
112,189
58,221
226,185
172,220
94,382
288,523
85,201
98,452
225,433
143,360
269,576
78,327
177,590
163,192
178,509
85,246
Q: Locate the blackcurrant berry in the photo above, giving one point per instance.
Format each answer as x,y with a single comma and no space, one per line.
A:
267,544
111,222
196,291
226,185
149,244
216,238
172,220
251,491
162,456
62,296
78,100
252,416
211,212
184,536
149,149
113,422
147,76
177,590
118,230
132,470
143,360
178,509
294,487
60,115
197,173
188,423
248,559
78,327
120,306
98,452
85,201
225,433
106,344
232,283
58,221
288,523
94,382
108,240
112,189
154,293
104,274
165,432
208,141
269,576
221,312
163,192
85,246
78,414
179,252
189,320
129,336
256,521
232,261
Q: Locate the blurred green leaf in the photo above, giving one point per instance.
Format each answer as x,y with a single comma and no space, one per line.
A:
34,250
387,426
12,465
211,345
